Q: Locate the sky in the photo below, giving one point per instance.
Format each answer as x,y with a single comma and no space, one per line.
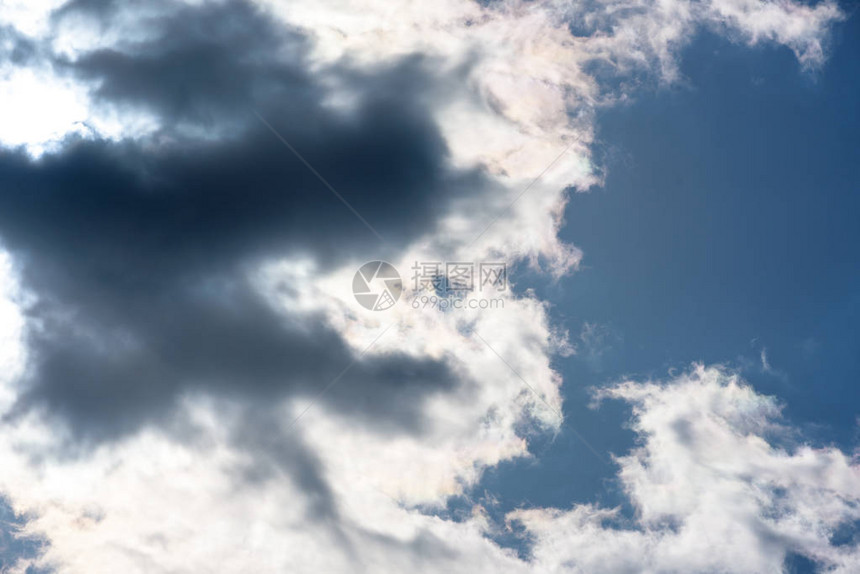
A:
744,254
194,196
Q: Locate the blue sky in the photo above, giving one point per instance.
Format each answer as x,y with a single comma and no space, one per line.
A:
728,226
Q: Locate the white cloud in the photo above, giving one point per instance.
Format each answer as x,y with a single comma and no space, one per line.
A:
38,109
713,489
29,17
795,25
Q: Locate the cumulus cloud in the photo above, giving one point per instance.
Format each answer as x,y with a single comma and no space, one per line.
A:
179,286
718,484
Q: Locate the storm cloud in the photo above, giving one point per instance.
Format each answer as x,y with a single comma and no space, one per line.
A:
138,251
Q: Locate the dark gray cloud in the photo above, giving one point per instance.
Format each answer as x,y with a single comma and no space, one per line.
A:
198,64
138,251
